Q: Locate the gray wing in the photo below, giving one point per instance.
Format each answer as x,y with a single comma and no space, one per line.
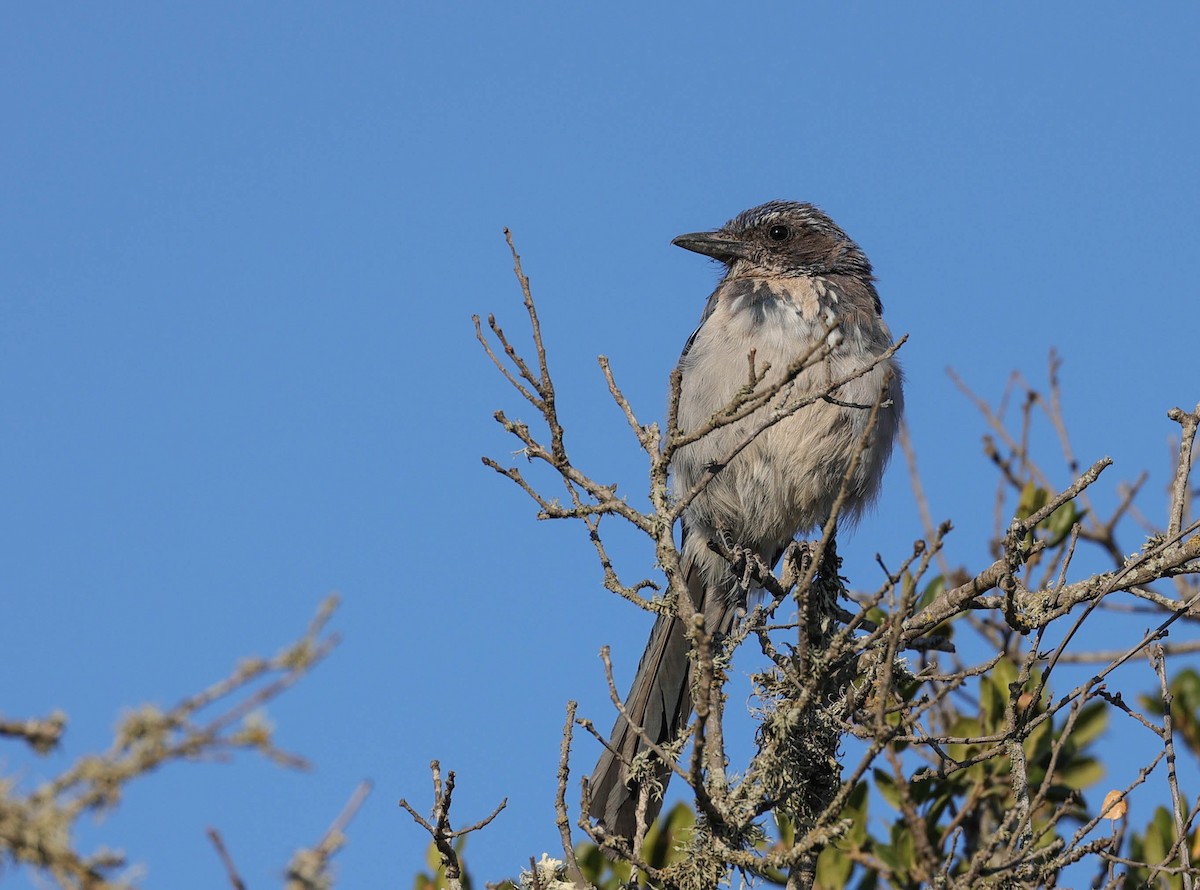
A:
709,308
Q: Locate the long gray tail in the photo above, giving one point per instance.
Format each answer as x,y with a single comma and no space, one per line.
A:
660,701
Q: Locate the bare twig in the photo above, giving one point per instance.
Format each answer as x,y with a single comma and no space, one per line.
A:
1188,424
1158,662
560,799
235,880
438,825
42,734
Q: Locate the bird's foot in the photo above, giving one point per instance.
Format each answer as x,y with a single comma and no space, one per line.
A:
746,564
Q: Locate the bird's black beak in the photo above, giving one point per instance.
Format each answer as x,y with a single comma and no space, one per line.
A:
717,245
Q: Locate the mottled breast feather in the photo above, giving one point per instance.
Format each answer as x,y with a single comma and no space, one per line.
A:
786,481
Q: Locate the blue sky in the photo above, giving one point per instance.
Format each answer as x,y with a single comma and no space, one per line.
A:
241,247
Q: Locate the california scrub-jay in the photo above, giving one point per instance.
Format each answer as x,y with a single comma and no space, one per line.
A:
790,275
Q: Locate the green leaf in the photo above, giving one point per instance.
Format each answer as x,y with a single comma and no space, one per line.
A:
1032,499
1092,721
994,694
1080,773
1004,673
932,591
1037,743
1159,837
856,810
886,786
833,869
902,851
665,838
1058,524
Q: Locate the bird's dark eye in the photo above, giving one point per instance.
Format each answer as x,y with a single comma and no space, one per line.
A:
779,233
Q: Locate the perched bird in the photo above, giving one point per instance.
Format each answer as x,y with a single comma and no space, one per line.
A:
790,275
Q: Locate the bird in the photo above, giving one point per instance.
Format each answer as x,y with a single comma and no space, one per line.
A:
792,278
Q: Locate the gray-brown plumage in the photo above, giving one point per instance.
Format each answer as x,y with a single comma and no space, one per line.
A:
790,274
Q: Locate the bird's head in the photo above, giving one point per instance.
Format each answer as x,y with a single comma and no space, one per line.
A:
781,238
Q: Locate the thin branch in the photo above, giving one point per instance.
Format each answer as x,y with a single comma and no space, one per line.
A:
1158,662
235,880
1188,424
438,825
560,799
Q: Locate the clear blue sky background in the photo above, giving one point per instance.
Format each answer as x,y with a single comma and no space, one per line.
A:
241,247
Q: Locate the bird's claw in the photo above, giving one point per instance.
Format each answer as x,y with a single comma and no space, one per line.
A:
744,562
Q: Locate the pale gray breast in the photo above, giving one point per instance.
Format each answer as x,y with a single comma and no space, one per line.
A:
785,481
